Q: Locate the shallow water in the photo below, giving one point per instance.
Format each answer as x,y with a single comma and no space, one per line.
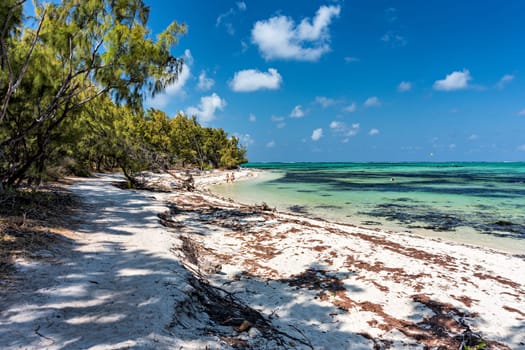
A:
478,203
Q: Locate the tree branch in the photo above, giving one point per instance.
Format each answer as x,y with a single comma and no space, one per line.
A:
13,86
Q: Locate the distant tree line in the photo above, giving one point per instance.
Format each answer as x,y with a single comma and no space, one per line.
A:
73,79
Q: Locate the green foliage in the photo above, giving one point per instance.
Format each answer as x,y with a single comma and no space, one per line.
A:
119,137
71,91
10,17
481,345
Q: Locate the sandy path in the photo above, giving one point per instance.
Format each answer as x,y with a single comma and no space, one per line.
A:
115,287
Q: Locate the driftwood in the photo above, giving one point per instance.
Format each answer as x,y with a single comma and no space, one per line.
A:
166,219
156,183
257,208
187,183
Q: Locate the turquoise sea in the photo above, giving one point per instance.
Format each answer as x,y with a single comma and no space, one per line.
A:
477,203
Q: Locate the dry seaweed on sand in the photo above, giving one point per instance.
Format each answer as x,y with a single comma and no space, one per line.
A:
34,224
224,309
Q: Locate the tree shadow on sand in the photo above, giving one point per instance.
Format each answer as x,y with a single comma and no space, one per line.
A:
81,307
104,293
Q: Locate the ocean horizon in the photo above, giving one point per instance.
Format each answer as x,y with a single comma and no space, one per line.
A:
480,203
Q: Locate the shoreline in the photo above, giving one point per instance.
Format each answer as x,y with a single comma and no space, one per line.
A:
223,275
464,236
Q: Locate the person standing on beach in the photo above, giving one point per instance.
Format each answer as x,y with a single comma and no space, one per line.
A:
232,177
227,177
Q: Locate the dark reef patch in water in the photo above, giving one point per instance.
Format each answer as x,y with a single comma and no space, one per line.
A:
506,228
489,198
482,207
428,218
452,183
371,223
403,199
409,215
328,207
298,209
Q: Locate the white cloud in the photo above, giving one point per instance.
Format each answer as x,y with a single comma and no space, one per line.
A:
223,16
279,120
372,102
317,134
244,46
473,137
252,80
280,37
244,139
454,81
391,14
394,39
506,79
205,112
325,101
353,130
188,58
337,125
404,86
159,101
224,19
241,5
345,130
522,112
351,59
177,88
351,108
373,132
270,144
297,112
521,148
252,118
205,83
452,146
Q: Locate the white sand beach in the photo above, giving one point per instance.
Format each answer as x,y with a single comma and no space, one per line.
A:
220,275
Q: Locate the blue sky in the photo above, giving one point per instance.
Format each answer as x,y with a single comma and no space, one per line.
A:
354,80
